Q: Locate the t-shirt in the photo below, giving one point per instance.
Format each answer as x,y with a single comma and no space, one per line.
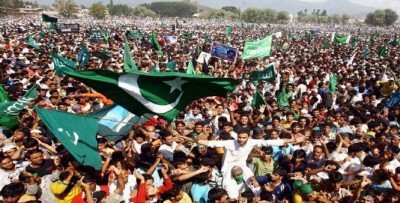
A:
45,169
200,193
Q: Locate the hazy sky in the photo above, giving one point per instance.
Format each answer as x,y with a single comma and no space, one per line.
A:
393,4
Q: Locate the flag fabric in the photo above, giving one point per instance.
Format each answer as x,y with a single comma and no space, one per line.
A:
103,55
163,93
155,43
372,39
258,100
326,45
267,74
61,63
382,52
332,83
80,141
97,35
342,39
395,41
228,30
116,122
207,39
53,26
133,34
49,19
32,43
3,95
315,49
190,69
41,34
129,63
257,49
171,66
308,37
393,75
354,41
9,121
350,61
12,108
83,56
365,53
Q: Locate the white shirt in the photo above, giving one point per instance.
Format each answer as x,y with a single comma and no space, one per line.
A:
129,186
168,151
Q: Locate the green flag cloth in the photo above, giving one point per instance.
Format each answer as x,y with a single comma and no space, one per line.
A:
342,39
133,34
326,45
13,108
163,93
103,55
257,49
365,53
207,40
97,35
155,43
48,19
382,52
186,36
32,43
395,41
393,75
308,37
354,41
267,74
372,39
332,83
61,63
76,133
83,56
129,63
283,98
41,34
228,30
171,65
9,121
258,100
3,95
53,26
190,69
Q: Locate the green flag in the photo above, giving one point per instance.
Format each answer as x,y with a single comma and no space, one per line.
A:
315,49
163,93
171,65
53,26
326,45
61,63
32,43
97,35
382,52
9,121
207,39
257,49
393,75
258,100
190,69
48,19
308,37
77,133
267,74
342,39
13,108
129,63
365,53
198,50
155,43
103,55
133,34
354,41
372,39
332,83
41,34
3,95
228,30
83,56
395,41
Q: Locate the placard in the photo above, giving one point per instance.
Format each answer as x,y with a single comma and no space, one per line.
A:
223,52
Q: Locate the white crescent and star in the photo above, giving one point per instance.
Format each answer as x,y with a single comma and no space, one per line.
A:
129,83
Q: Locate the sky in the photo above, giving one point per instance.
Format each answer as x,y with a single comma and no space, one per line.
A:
393,4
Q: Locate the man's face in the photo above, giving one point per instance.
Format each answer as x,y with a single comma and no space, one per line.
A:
244,120
169,140
242,138
199,128
317,153
7,164
36,158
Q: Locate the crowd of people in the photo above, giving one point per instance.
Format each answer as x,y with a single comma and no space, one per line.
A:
313,140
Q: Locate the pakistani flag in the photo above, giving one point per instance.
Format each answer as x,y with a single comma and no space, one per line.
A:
61,63
32,43
83,56
365,53
258,100
77,133
267,74
129,63
163,93
342,39
48,19
382,52
116,122
133,34
257,49
13,108
228,30
155,43
190,69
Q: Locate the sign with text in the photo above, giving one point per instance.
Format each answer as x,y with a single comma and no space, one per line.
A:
67,28
223,52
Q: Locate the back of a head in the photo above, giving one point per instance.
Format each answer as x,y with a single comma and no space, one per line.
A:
215,194
12,190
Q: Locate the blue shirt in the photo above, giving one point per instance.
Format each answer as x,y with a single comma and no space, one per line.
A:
200,193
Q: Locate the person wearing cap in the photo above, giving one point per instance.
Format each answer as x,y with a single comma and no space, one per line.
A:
303,192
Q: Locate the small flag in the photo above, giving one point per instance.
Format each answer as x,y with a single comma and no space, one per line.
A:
382,52
3,95
258,100
129,63
190,69
46,18
103,55
267,74
350,61
332,83
83,56
342,39
155,43
257,49
365,53
61,63
228,30
32,43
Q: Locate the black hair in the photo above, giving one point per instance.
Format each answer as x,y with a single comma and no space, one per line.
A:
33,151
146,178
335,177
370,161
12,190
299,153
216,194
30,142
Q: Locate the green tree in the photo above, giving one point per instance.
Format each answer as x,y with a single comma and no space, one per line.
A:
141,11
283,16
172,9
324,13
119,10
231,9
68,9
345,18
98,10
218,14
380,17
252,15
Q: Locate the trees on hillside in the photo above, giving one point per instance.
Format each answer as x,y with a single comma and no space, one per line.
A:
380,17
172,9
264,15
98,10
141,11
67,8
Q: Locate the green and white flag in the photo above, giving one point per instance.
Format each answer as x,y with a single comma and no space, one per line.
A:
13,108
257,49
133,34
83,56
32,43
228,30
267,74
342,39
77,133
350,61
332,83
190,69
129,63
49,19
155,43
258,100
3,95
61,63
365,53
97,35
163,93
382,52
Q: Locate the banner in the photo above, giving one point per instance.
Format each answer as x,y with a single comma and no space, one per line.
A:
257,49
202,56
224,52
67,28
96,35
170,39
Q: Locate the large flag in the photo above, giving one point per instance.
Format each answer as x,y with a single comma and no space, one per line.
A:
61,63
165,94
129,63
228,30
258,100
77,133
155,43
103,55
382,52
3,95
190,69
83,56
257,49
116,122
13,108
32,43
48,19
343,39
133,34
9,121
267,74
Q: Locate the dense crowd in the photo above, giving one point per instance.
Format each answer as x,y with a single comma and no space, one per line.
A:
313,140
